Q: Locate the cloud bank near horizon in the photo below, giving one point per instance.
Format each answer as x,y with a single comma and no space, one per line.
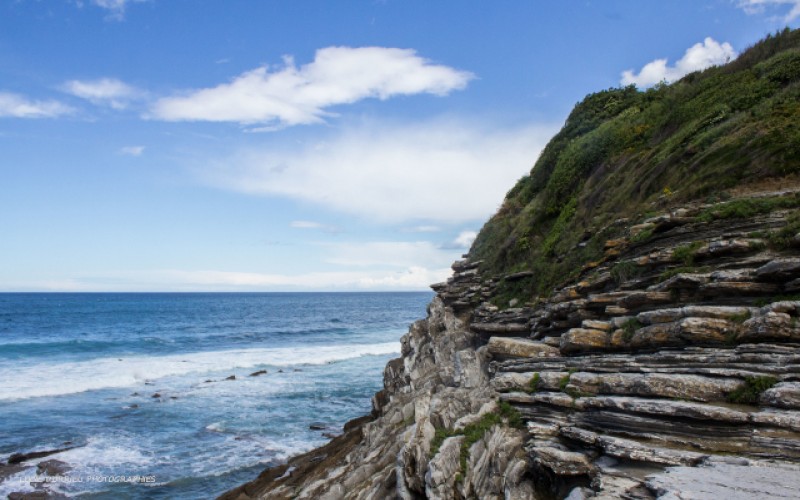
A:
440,171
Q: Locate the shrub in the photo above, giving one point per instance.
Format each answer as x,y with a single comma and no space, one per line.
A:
629,329
533,384
752,389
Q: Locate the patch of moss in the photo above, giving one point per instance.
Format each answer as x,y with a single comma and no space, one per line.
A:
624,271
629,328
474,432
748,207
687,253
533,384
669,273
752,389
564,381
642,236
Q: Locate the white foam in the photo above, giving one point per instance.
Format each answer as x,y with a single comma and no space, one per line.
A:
45,379
216,427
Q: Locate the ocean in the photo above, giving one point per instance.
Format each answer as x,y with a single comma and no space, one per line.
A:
155,396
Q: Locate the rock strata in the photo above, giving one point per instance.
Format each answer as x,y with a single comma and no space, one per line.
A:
666,382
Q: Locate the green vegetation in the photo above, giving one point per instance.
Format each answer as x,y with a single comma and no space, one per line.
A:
624,271
776,298
687,253
629,328
506,290
784,237
740,318
474,432
669,273
619,148
748,207
752,389
564,381
642,236
533,385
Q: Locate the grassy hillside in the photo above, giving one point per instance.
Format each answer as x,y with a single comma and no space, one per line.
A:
624,153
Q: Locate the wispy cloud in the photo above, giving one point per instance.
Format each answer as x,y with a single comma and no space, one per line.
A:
17,106
132,150
292,95
389,254
759,6
115,8
443,171
422,229
465,239
697,57
307,224
103,92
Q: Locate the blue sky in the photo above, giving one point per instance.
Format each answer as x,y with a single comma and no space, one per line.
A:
193,145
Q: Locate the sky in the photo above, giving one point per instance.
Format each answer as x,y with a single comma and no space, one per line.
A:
232,145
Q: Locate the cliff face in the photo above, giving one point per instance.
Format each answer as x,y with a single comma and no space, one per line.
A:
665,363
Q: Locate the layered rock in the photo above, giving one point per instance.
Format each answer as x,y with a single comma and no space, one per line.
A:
616,386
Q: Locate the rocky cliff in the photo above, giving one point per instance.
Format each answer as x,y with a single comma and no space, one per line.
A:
650,349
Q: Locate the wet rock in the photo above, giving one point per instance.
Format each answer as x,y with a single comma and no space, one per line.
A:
53,467
18,458
257,373
318,426
230,377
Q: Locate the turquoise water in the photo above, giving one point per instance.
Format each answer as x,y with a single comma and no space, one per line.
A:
136,383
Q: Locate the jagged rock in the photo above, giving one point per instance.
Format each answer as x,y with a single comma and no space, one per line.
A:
560,462
440,480
52,467
501,348
491,465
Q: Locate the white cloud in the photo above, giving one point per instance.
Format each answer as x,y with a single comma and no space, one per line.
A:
758,6
115,8
465,239
292,95
444,171
411,278
17,106
697,57
132,150
389,254
104,92
423,229
307,224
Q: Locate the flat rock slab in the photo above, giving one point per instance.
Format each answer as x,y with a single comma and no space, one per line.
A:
727,481
503,347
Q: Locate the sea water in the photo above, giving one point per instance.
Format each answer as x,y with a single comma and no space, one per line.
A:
138,386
